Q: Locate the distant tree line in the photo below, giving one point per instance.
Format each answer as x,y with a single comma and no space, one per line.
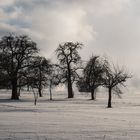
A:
22,66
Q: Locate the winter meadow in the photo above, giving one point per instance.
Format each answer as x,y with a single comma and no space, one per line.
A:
68,70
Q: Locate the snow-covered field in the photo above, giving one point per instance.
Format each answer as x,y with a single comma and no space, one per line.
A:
70,119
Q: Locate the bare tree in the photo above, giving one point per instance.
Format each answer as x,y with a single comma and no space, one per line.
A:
54,77
69,57
93,74
113,80
15,55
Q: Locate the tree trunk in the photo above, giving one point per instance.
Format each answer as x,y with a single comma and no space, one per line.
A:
40,92
28,87
35,96
50,91
109,98
92,95
35,101
40,82
14,90
70,91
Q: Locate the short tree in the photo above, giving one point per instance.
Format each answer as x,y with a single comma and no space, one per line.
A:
68,56
54,77
93,74
38,73
15,54
114,78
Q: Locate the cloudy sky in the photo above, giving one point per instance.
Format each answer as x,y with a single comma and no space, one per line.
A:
106,27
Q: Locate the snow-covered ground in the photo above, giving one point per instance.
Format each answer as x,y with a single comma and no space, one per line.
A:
70,119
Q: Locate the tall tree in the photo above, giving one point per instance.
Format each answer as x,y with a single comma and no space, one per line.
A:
15,55
68,56
114,78
93,74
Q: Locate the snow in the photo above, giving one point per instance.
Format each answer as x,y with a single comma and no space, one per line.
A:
69,119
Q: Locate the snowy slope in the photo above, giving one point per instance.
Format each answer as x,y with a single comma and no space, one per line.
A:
70,119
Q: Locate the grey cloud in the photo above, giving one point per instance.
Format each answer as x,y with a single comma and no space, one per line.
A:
105,26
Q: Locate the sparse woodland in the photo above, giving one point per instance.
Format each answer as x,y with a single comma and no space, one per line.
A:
21,66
